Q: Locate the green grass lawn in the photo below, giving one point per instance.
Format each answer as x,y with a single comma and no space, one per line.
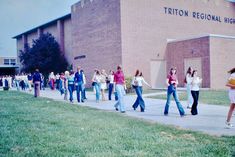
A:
41,127
205,96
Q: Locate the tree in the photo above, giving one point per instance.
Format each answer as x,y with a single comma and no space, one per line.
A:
44,54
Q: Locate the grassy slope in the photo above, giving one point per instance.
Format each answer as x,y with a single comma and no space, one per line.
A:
42,127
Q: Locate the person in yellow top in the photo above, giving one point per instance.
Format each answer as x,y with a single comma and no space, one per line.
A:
231,84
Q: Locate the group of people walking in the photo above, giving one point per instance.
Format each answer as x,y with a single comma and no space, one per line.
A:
68,82
20,81
101,81
192,82
6,81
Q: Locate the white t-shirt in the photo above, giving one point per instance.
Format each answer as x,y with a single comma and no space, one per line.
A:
139,80
196,81
111,79
97,78
189,79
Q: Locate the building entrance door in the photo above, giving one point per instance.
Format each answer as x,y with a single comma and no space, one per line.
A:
158,73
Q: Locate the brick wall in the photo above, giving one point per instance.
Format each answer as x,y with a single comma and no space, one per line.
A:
222,52
177,51
96,33
146,28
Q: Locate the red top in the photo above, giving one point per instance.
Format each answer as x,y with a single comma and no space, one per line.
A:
172,78
119,78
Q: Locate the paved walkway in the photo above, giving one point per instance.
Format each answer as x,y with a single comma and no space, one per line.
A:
211,118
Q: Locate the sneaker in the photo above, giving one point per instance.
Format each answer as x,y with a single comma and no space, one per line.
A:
228,125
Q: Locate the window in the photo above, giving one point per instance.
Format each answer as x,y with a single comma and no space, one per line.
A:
6,61
13,62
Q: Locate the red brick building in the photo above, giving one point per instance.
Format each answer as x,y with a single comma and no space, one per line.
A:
151,35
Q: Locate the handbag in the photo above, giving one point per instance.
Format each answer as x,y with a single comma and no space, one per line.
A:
135,83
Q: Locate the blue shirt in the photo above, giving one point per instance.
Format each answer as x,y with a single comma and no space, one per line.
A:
78,77
36,77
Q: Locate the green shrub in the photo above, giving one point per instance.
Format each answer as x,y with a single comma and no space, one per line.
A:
129,88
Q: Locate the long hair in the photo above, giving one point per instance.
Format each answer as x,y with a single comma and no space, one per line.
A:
119,67
97,72
231,71
137,73
111,72
173,68
194,73
189,71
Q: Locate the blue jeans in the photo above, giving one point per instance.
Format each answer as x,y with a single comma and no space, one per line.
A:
79,89
71,88
17,84
97,91
139,100
120,103
189,95
84,93
116,96
172,90
110,91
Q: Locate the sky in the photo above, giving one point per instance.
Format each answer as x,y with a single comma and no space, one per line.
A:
18,16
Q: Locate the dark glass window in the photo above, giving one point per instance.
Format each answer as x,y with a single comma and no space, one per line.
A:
6,61
13,62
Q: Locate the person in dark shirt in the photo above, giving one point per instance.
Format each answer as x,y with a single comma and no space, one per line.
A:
36,81
30,81
79,79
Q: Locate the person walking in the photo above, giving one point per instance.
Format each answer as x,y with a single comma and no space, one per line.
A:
30,80
231,85
84,86
196,81
43,83
66,76
36,81
70,79
188,81
52,80
119,81
137,83
110,85
57,81
17,82
172,83
96,83
79,83
62,83
103,85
